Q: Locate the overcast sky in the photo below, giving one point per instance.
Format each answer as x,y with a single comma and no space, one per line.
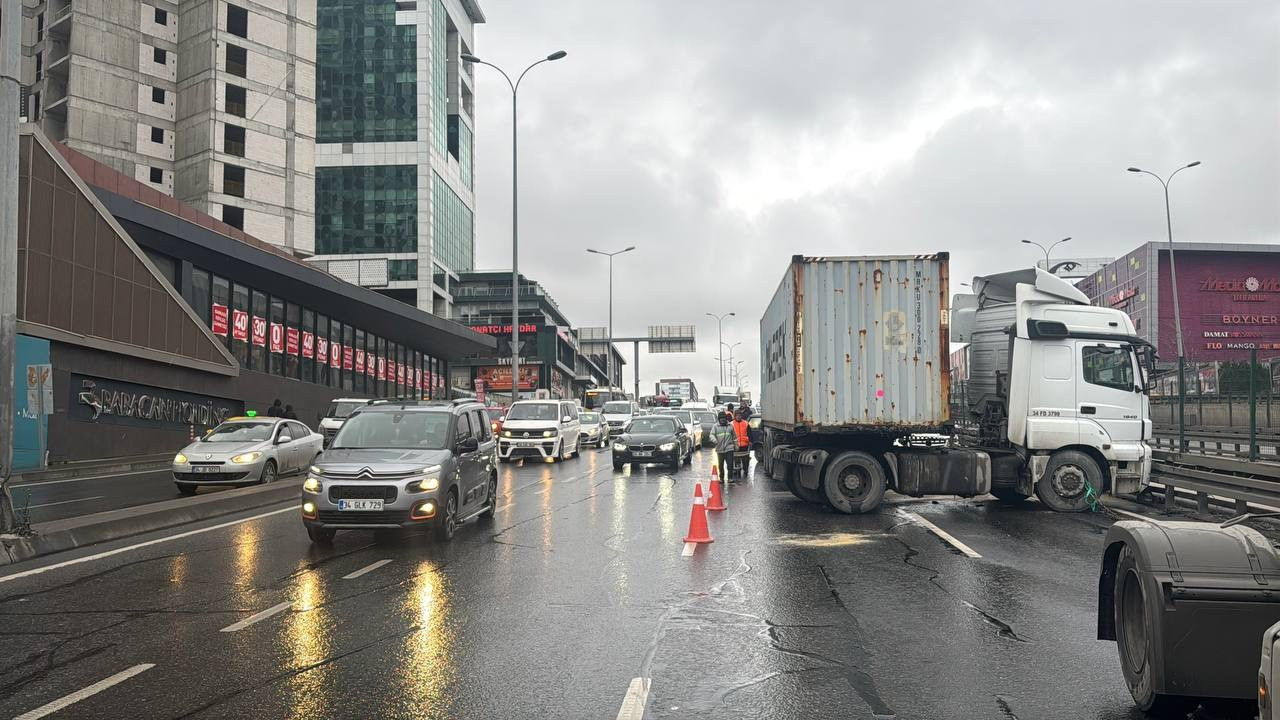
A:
723,136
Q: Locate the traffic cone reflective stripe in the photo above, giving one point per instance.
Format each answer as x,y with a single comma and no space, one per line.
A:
717,501
698,532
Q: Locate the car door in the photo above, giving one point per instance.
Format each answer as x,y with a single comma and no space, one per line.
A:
1109,393
487,447
570,428
305,443
286,459
466,459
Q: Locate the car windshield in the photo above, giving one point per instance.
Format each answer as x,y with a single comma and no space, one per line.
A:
706,418
589,418
343,409
423,430
494,413
241,432
534,411
652,425
617,408
683,415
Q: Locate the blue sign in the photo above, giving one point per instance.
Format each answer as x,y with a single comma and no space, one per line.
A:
28,425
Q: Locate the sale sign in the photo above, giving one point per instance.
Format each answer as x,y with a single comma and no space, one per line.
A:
277,337
219,320
417,378
348,358
360,361
308,345
400,374
322,350
382,368
335,355
369,364
291,338
239,325
391,370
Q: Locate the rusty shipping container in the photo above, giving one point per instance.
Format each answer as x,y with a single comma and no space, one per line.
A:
857,343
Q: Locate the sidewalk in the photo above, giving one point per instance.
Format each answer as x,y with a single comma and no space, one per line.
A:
90,468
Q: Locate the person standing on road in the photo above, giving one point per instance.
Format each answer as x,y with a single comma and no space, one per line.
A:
275,410
289,414
742,433
726,442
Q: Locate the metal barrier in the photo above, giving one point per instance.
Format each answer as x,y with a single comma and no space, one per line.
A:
1207,476
1220,441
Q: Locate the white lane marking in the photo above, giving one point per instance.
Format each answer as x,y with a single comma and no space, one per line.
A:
637,697
688,549
94,477
65,502
366,569
1135,516
258,617
946,536
83,693
157,541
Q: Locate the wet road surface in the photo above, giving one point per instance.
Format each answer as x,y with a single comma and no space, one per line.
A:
576,593
57,499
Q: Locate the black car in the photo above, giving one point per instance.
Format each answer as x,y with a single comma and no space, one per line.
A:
653,439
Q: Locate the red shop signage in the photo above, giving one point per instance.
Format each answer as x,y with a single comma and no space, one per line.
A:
322,349
239,325
308,345
360,361
291,341
348,357
219,320
335,355
277,337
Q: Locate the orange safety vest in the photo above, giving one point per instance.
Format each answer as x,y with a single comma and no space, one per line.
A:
740,428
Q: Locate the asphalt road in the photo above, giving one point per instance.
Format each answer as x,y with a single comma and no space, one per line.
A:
575,597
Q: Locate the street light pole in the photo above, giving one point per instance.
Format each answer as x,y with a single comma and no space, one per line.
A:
608,348
10,59
1046,250
731,365
515,215
720,334
1177,311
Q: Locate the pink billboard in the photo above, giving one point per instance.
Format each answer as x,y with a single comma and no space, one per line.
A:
1230,305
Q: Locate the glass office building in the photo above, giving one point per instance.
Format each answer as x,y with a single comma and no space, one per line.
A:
394,126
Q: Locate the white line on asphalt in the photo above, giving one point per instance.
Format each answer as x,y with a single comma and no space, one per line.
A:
258,617
83,693
92,477
637,697
946,536
64,502
366,569
1135,516
117,551
688,549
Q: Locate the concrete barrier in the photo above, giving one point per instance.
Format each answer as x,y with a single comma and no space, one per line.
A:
72,533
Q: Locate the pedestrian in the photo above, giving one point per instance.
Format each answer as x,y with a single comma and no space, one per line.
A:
742,433
726,442
289,414
275,410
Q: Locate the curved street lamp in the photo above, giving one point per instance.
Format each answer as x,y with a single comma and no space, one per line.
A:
1046,250
720,338
608,348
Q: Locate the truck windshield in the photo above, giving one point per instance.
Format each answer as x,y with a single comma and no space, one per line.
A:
1109,367
617,408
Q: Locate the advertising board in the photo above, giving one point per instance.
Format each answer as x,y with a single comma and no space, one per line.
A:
1230,303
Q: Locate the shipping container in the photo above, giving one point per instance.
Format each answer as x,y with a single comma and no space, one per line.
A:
857,343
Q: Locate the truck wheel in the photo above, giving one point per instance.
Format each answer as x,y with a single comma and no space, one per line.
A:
853,482
816,497
1008,494
767,453
1067,479
1134,641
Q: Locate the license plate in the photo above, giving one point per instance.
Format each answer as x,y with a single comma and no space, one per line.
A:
205,468
642,453
360,505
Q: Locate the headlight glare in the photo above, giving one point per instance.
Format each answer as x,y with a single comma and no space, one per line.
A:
246,458
180,459
548,433
429,483
667,447
506,433
311,485
620,447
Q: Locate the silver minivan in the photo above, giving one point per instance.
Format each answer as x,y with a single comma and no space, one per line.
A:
543,429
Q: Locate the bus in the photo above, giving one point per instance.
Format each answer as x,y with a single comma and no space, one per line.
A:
595,398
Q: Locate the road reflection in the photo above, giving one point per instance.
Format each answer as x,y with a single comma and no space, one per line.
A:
246,560
619,530
309,642
426,670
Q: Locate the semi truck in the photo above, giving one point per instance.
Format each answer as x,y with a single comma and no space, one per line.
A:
724,394
855,356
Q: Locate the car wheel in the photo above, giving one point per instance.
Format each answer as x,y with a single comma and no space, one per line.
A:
268,473
1134,626
492,509
448,521
321,536
186,489
688,458
1070,479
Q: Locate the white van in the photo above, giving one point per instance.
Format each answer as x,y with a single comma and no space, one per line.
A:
545,429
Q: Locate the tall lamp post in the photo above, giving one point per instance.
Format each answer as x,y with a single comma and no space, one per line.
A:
1046,250
730,365
720,338
1177,311
515,217
608,348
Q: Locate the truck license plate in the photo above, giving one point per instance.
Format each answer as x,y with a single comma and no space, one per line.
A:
643,453
375,505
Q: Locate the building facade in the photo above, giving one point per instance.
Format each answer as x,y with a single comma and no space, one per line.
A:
394,170
211,102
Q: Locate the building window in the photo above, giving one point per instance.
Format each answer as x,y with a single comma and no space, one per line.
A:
372,208
160,55
39,65
277,318
157,95
157,175
233,180
240,301
322,350
200,294
34,102
439,78
233,216
402,269
236,100
366,80
237,61
162,16
237,21
39,27
233,140
308,330
453,231
157,135
222,296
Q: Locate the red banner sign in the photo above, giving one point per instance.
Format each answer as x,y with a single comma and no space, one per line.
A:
239,325
220,323
360,361
348,358
400,374
382,368
417,378
258,331
525,329
369,365
291,338
322,350
277,337
308,345
335,355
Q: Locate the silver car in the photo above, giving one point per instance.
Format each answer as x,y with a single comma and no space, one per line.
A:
247,450
594,430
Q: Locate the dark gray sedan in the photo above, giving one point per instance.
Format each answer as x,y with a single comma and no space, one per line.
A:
244,451
653,439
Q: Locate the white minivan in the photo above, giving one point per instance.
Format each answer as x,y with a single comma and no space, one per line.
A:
546,429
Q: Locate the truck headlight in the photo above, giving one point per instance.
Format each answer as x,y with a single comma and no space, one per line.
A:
246,458
311,485
667,447
179,459
620,447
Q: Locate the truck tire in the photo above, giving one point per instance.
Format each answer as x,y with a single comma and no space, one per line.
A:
1066,480
1134,618
854,482
1008,495
816,497
767,460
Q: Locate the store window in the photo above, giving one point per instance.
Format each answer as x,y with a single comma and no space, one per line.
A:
260,310
240,301
292,342
277,318
322,350
222,296
308,345
358,380
335,339
200,294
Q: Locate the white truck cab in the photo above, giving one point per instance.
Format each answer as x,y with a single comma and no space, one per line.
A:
618,414
1056,383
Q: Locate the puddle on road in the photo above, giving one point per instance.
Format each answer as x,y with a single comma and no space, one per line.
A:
825,540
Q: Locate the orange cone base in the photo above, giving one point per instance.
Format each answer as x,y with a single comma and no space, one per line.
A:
716,502
698,532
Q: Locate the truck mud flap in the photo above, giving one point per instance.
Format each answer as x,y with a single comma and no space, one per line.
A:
806,464
943,471
1208,595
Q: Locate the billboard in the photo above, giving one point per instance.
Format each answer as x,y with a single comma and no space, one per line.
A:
1230,303
498,377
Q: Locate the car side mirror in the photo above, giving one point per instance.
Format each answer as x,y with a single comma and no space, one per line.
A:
282,439
467,445
566,419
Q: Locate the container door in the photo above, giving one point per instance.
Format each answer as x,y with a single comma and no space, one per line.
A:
1108,393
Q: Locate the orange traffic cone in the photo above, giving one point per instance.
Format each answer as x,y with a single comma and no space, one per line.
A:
716,501
698,532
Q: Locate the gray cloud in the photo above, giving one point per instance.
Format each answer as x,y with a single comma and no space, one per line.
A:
721,137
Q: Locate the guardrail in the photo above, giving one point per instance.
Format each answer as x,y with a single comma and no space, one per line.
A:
1245,482
1232,442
